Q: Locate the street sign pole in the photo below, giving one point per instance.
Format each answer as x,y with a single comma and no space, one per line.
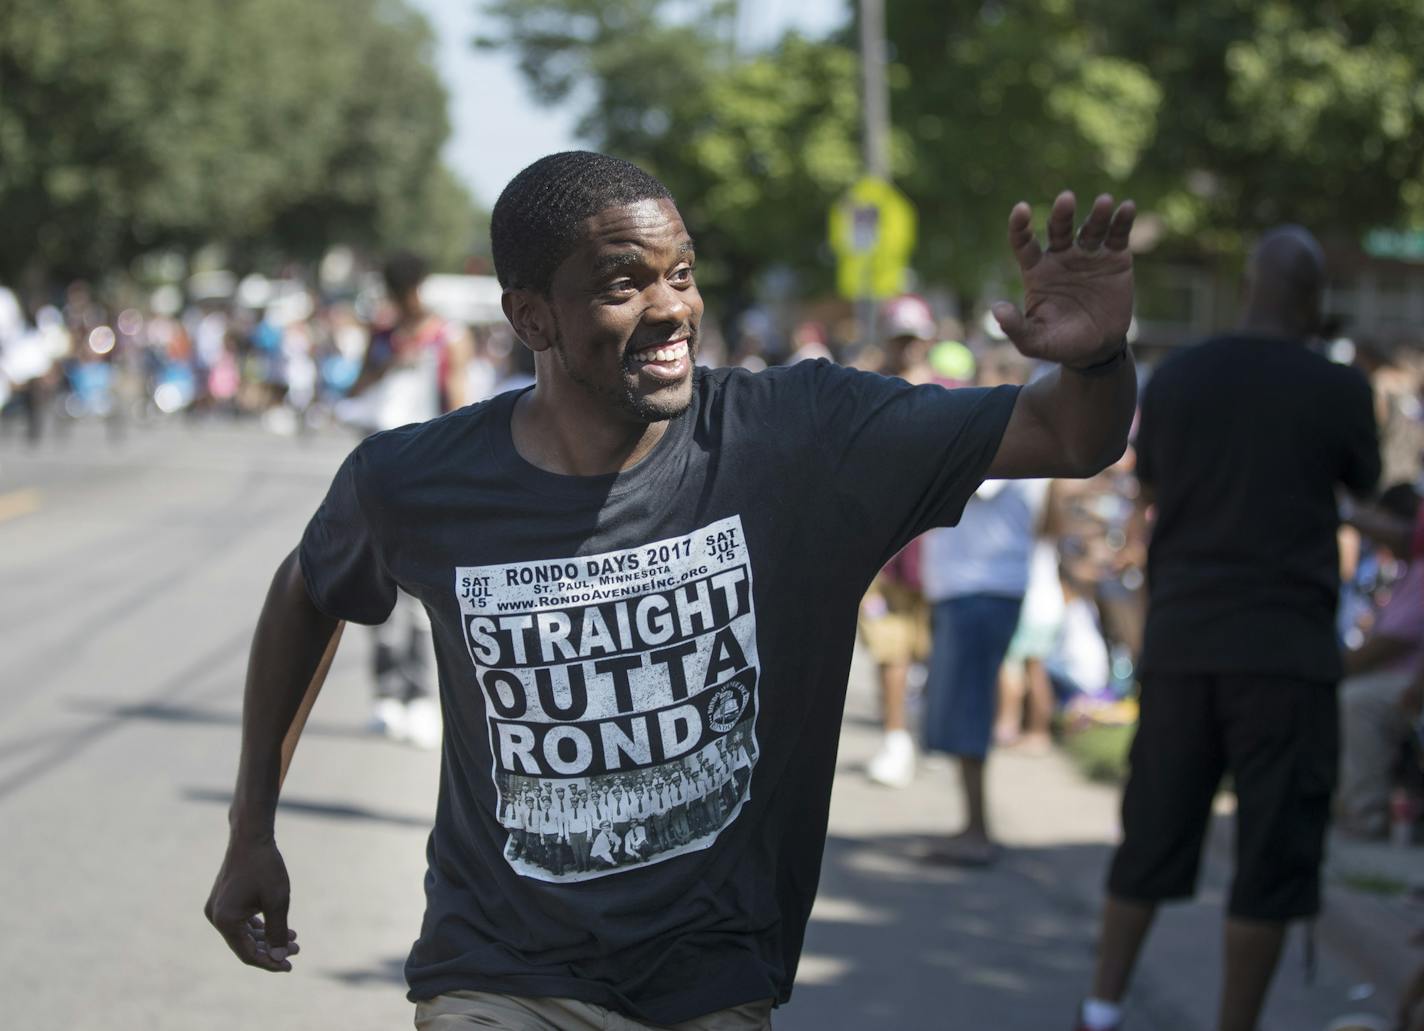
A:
875,107
875,93
872,227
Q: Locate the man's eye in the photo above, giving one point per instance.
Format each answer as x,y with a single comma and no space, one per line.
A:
620,285
683,274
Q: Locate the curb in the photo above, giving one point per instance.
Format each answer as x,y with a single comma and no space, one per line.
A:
1372,934
1369,933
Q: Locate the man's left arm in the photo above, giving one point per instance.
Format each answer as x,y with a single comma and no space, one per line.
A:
1067,423
1074,421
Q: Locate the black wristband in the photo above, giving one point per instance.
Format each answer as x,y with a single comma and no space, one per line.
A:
1105,366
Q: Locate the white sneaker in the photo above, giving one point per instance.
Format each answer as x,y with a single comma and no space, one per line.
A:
389,718
894,765
422,726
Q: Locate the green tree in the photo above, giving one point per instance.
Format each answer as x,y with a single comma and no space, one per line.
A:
755,148
1279,111
127,125
1218,116
996,103
379,179
770,145
990,104
438,219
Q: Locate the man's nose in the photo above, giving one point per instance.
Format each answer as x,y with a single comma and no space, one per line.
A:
668,305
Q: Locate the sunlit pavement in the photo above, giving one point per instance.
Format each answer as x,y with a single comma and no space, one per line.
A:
897,942
130,576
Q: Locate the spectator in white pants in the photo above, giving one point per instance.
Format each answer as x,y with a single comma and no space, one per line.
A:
406,684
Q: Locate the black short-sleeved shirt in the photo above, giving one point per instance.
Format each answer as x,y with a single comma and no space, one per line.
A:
670,643
1244,441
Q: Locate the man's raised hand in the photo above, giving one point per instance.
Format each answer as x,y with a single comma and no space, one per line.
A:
1077,292
248,906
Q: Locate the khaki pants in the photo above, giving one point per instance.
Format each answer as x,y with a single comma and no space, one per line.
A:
901,633
456,1011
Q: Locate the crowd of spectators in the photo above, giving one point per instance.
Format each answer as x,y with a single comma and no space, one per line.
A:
285,354
290,356
1072,662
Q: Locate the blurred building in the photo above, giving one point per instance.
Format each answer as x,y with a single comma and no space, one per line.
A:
1376,292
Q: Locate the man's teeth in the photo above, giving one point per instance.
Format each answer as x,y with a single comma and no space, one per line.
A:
671,353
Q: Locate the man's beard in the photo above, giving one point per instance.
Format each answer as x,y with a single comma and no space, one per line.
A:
623,397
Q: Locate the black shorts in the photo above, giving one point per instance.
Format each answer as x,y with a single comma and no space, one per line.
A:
1279,738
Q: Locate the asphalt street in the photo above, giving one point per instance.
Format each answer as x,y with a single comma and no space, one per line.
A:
130,576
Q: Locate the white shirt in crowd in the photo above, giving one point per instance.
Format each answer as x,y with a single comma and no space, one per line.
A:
989,551
1080,656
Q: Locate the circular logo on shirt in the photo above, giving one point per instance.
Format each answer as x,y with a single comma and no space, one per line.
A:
725,707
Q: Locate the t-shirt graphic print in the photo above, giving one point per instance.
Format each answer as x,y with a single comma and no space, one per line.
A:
621,696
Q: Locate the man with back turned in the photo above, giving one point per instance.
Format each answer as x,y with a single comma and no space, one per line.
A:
1244,441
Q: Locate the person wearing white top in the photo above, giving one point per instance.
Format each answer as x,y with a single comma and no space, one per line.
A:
606,844
578,829
635,841
680,797
552,837
1025,692
623,810
975,576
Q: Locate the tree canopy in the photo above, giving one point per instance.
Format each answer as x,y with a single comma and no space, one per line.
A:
754,147
1219,116
129,125
997,103
1311,112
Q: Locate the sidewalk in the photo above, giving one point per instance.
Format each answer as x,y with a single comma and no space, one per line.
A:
1369,917
895,942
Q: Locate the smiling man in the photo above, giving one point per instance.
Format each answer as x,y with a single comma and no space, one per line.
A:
635,569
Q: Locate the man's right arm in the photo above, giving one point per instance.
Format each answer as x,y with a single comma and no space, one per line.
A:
1361,466
291,651
1380,526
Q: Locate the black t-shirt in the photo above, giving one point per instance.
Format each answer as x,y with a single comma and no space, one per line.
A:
1243,441
667,647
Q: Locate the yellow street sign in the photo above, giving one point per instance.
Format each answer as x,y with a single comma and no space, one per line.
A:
873,233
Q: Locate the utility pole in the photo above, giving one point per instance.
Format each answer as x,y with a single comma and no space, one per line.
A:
875,94
875,107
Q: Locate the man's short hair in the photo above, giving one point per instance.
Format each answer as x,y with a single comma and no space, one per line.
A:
403,272
536,221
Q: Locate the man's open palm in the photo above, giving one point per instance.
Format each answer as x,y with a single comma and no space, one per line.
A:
1077,291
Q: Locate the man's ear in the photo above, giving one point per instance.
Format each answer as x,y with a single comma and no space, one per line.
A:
528,312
